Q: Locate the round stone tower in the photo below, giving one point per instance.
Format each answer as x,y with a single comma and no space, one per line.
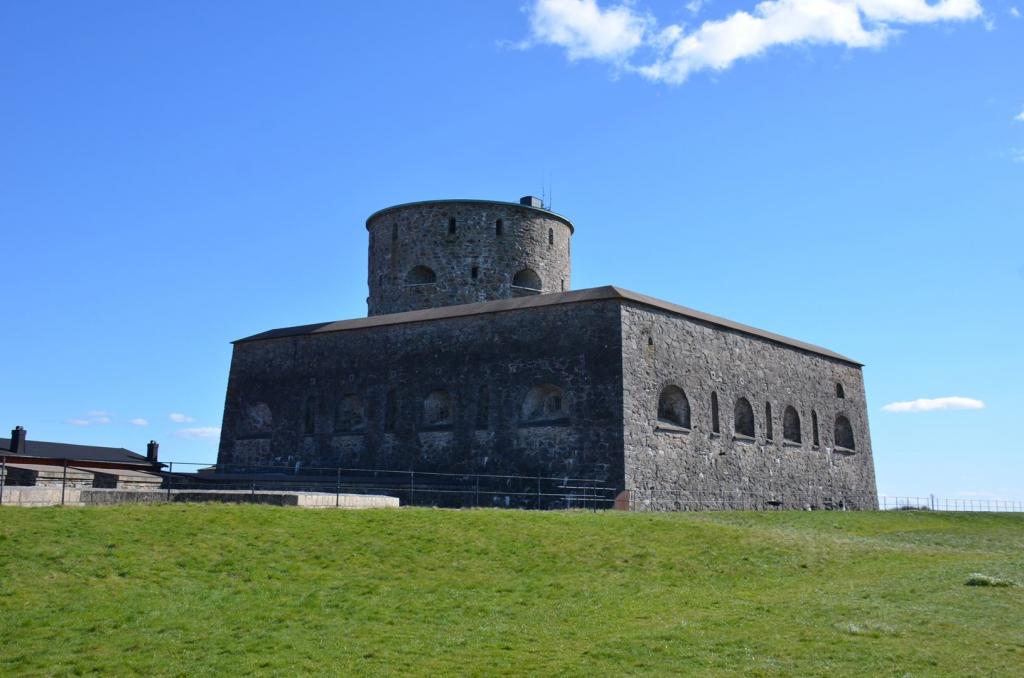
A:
445,252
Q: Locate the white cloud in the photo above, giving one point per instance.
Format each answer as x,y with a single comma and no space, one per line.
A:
199,432
179,418
1019,117
1015,13
139,421
931,404
586,31
694,6
616,34
91,417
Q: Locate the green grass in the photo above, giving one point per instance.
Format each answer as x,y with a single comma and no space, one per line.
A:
205,590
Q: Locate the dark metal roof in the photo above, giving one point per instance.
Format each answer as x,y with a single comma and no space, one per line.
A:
537,301
422,203
45,450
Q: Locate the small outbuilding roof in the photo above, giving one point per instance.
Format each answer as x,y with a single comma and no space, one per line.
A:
607,293
43,450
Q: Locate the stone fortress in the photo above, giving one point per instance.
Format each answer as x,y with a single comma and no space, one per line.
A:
477,358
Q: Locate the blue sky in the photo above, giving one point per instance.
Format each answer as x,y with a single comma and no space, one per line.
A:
174,176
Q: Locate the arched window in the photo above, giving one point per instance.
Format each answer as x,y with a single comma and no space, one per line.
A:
437,409
714,413
814,428
420,275
551,237
768,421
350,415
743,418
390,411
544,403
498,225
791,425
451,225
840,393
673,407
483,408
309,417
258,419
527,279
844,433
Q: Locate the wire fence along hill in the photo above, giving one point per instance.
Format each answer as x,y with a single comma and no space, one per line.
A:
468,490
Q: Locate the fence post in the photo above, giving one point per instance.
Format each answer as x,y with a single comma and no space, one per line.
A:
170,479
337,489
64,482
477,491
538,490
412,487
3,478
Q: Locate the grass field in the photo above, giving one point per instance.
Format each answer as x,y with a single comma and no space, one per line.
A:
205,590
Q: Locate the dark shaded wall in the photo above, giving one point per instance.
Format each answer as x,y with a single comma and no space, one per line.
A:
574,347
668,467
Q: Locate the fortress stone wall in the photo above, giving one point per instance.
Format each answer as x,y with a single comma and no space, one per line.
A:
477,358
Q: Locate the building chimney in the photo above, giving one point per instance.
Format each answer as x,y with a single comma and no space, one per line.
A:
18,440
531,201
151,451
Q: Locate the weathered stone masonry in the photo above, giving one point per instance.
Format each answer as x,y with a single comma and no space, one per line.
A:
469,365
411,365
671,466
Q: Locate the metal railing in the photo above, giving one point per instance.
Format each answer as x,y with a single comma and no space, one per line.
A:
411,487
63,483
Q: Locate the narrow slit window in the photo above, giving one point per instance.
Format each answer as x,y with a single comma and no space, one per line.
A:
551,237
475,272
498,226
714,412
451,226
768,421
814,428
390,407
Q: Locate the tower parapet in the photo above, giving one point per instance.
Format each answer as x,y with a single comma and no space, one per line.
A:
447,252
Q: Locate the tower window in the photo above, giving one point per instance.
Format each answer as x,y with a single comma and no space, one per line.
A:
527,279
673,407
498,227
714,413
309,417
437,409
768,421
551,237
743,418
390,411
394,231
840,393
843,433
420,275
791,425
544,403
475,272
814,428
483,408
451,226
